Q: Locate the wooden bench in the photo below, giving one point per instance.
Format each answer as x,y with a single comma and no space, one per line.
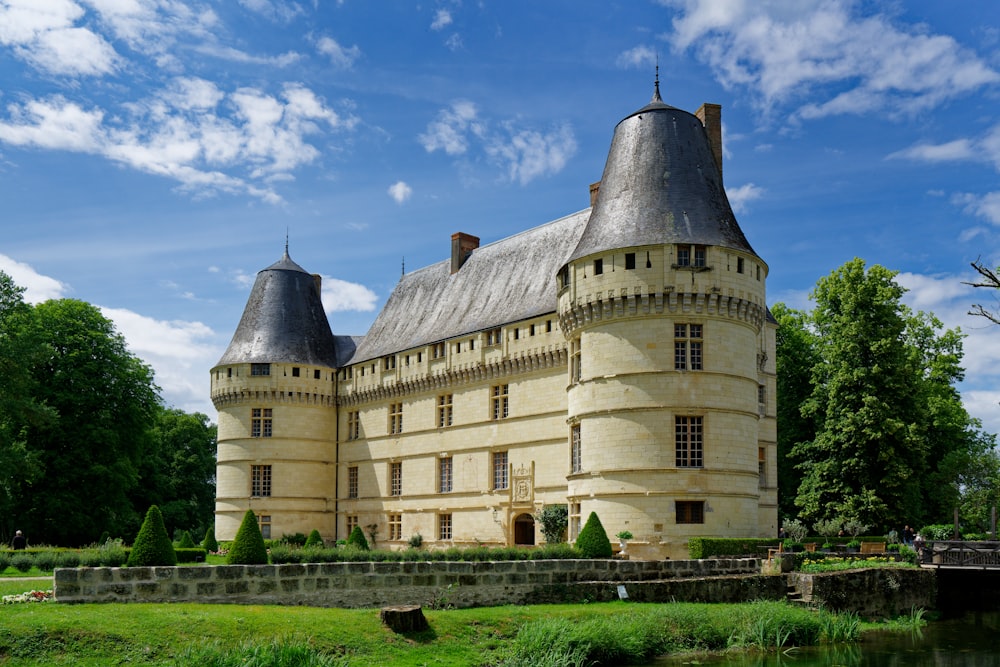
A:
873,547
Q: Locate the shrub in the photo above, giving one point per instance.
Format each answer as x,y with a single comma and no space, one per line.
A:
22,562
554,519
795,530
68,559
314,540
706,547
192,555
296,539
593,542
248,547
4,560
939,531
46,560
416,540
105,536
186,541
827,527
113,553
152,545
357,539
90,558
210,544
853,527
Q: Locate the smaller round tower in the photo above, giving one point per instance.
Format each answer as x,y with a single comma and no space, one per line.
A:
275,390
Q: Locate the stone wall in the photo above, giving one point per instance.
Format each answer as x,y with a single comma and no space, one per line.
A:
457,584
875,593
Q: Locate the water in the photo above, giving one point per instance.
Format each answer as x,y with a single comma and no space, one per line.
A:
972,641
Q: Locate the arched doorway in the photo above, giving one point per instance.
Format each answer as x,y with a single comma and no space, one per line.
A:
524,530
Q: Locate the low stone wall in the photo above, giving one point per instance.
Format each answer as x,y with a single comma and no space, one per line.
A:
875,593
457,584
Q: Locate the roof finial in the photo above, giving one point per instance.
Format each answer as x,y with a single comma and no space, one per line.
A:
656,83
286,240
403,267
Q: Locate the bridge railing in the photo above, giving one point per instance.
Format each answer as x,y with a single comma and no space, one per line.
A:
949,553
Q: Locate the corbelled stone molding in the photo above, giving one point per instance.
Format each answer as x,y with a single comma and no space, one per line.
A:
223,398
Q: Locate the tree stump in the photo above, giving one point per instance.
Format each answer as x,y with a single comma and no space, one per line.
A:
404,618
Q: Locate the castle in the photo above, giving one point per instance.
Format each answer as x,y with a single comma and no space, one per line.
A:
619,360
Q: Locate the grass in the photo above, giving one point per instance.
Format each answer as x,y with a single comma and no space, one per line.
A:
542,636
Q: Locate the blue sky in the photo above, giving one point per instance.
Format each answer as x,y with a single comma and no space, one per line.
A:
154,153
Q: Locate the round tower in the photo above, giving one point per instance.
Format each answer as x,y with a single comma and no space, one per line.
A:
275,392
663,305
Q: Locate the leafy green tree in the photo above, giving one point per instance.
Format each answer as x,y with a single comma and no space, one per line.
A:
105,400
797,353
554,519
178,473
357,539
248,546
152,545
593,542
889,424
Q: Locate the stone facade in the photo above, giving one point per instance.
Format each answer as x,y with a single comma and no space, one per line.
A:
619,360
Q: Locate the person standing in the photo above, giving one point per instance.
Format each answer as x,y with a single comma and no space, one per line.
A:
19,542
907,536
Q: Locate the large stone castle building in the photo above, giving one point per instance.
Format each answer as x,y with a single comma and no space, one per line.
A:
619,360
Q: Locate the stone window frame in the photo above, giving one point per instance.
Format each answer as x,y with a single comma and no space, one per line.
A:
689,511
261,422
689,441
260,480
353,424
446,474
445,526
500,473
689,346
395,524
445,410
264,524
395,421
575,449
396,478
352,482
499,401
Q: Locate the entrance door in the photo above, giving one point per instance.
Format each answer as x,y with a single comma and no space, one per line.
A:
524,530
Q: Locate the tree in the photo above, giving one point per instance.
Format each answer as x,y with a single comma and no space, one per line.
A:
593,542
554,519
248,547
210,544
314,539
889,424
989,279
178,474
152,545
105,400
357,539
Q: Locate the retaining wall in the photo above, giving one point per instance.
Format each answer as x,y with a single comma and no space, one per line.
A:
875,593
457,584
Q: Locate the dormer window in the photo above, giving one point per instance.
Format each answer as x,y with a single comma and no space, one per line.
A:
260,369
691,255
598,267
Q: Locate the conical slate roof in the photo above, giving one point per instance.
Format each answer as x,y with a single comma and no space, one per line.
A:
284,321
660,185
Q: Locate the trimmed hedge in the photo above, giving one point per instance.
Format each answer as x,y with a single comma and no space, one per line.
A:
314,540
152,545
593,542
210,544
248,547
281,554
357,539
707,547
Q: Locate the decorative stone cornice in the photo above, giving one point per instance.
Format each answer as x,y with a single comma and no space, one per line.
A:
224,398
601,306
526,362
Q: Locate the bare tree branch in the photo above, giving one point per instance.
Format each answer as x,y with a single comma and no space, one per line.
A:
990,280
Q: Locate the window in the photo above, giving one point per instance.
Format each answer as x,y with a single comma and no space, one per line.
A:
517,334
493,337
598,267
444,410
761,468
688,442
687,347
396,478
438,350
229,372
690,255
499,470
761,399
444,526
295,371
352,523
739,265
574,520
501,402
264,523
395,526
690,511
531,330
260,481
575,361
548,326
260,369
260,423
472,344
396,418
575,449
562,278
316,374
353,425
444,474
389,363
629,261
352,482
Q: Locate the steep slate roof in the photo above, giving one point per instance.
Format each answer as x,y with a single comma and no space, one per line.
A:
502,282
284,321
660,185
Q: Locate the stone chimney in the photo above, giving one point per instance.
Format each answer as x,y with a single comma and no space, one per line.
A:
462,245
318,281
710,116
594,188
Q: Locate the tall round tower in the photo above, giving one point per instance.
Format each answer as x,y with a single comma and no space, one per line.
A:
275,392
663,305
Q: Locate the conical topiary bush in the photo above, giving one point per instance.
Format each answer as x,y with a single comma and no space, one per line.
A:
210,544
593,542
186,541
357,539
314,540
248,547
152,545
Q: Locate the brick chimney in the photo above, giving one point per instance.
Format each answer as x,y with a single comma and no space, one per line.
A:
594,189
462,245
710,116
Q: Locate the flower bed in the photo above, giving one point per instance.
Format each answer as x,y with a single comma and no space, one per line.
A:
30,596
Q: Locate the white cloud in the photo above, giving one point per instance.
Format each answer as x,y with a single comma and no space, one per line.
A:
276,10
338,55
235,55
783,51
45,35
37,288
741,196
400,191
982,206
442,18
528,154
959,149
179,352
192,132
640,57
449,132
339,295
